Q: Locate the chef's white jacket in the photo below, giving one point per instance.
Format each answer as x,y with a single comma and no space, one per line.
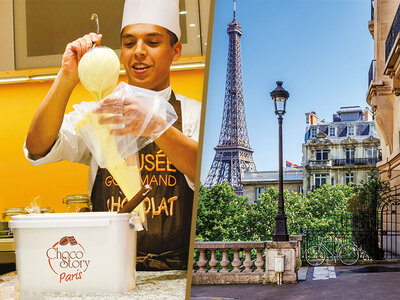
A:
70,146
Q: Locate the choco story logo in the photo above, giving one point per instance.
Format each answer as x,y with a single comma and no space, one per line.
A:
67,259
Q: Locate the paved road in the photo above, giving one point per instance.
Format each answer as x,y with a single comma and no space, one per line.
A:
339,282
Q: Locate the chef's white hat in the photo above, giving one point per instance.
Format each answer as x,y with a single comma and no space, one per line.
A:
164,13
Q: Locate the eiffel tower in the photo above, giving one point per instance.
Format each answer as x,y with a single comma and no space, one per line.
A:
233,153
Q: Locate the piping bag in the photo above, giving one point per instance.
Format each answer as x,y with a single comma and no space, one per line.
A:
98,72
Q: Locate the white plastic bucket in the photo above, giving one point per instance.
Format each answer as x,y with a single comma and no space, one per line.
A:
85,252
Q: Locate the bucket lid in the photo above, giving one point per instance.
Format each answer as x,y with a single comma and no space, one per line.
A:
59,220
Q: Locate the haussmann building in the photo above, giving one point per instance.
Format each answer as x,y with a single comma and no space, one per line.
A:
343,151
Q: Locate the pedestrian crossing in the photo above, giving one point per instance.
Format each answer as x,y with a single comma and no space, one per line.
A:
324,273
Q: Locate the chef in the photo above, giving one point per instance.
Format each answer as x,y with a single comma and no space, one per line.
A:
150,36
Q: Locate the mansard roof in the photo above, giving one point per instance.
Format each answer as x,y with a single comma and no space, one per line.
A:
362,131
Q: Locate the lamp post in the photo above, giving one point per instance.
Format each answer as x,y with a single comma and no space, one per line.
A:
279,95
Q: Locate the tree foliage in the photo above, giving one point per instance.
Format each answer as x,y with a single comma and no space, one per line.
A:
368,197
364,207
223,216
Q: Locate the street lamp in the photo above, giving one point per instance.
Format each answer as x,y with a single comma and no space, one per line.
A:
279,96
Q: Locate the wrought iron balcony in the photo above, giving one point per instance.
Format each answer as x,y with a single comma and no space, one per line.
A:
320,163
371,72
356,161
391,38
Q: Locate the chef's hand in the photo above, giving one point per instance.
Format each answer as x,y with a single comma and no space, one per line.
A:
136,117
74,52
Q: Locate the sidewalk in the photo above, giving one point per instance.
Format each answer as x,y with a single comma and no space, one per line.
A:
347,282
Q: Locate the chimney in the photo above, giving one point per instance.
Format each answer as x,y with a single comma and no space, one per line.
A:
368,114
313,118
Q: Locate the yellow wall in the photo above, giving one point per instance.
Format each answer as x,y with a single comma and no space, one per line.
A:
20,182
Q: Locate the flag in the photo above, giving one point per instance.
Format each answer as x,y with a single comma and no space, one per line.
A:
290,164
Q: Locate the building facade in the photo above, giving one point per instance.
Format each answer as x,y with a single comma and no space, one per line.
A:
384,97
384,84
343,151
255,183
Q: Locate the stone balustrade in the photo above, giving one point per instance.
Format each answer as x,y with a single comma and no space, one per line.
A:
232,262
241,269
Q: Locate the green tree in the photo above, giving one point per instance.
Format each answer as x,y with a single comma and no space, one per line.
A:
221,214
224,216
260,220
364,208
326,208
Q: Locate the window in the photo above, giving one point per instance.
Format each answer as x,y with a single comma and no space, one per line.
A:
372,152
313,132
349,178
351,130
321,154
300,189
372,129
332,180
259,192
319,179
349,154
332,131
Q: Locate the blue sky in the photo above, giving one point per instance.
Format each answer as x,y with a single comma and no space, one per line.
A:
320,49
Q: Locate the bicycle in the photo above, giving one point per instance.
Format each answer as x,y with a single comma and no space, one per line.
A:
348,254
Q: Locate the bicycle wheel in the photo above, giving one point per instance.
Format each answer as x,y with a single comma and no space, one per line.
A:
315,255
364,255
348,254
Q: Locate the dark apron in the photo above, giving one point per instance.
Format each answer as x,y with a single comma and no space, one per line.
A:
168,206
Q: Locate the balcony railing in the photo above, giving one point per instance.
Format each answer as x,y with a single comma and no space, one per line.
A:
265,175
371,72
320,163
393,32
356,161
344,162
